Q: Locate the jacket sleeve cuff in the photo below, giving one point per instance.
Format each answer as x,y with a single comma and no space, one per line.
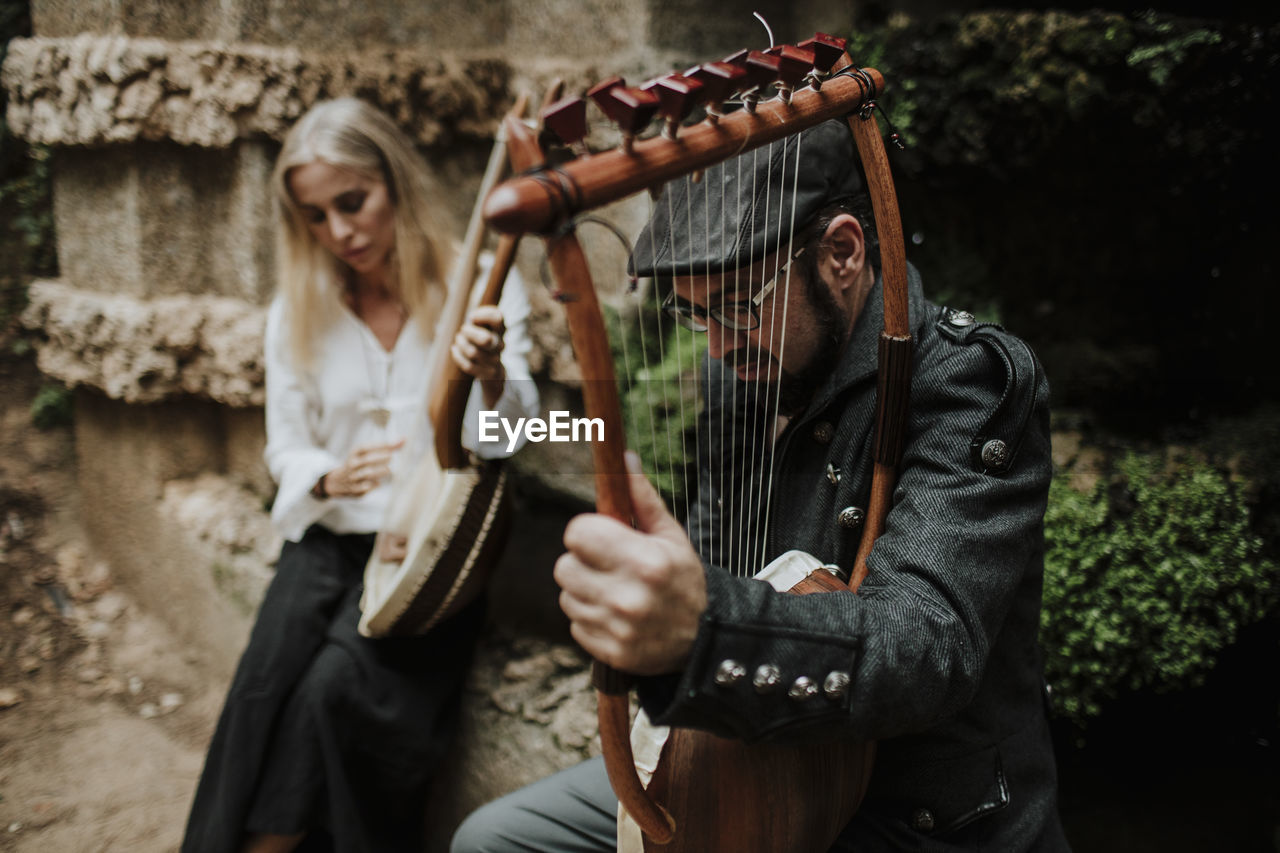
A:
749,677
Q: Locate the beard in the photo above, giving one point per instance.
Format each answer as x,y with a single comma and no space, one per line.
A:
797,387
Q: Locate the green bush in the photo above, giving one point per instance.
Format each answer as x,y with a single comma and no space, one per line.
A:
656,363
1148,575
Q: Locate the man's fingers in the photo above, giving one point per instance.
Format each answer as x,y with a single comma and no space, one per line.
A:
597,540
646,504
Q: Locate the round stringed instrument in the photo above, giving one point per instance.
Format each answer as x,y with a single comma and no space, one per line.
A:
452,509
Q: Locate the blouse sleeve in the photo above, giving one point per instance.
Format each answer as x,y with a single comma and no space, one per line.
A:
519,394
293,456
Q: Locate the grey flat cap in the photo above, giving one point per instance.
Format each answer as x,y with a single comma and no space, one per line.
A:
735,214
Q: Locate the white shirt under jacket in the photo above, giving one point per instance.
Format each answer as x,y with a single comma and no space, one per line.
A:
316,418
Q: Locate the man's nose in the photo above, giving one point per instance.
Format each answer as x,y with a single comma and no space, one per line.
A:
721,339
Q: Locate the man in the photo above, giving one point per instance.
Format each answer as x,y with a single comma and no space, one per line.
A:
935,657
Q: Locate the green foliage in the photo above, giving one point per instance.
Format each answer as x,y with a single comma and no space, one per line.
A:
52,407
1160,60
26,209
1147,577
656,363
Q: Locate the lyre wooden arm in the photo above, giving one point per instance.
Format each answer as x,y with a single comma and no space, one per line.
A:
893,387
613,495
448,402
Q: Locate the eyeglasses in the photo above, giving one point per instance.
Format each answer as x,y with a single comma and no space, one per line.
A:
741,316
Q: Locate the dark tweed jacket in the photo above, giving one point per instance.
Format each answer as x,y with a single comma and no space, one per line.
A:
940,641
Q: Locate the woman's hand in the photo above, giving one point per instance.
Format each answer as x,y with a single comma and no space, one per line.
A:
362,472
477,350
392,547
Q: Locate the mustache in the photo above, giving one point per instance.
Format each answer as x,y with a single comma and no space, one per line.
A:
745,355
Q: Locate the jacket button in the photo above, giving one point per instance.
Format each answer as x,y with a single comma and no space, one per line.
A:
767,678
851,517
729,672
802,688
995,454
836,684
922,820
833,474
960,319
823,432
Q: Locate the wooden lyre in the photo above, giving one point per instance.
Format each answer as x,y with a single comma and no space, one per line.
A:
708,793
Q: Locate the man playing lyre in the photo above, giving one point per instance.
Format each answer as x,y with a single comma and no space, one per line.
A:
773,255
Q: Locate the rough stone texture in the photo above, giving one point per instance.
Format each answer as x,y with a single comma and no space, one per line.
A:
528,711
683,31
143,351
127,457
223,518
95,90
155,218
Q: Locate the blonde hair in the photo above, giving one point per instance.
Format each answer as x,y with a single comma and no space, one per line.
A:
350,134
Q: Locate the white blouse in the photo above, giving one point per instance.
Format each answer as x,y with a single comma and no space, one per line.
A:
317,417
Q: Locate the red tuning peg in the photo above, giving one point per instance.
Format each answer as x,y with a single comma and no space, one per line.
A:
567,120
677,96
600,93
631,108
719,80
826,49
794,64
761,70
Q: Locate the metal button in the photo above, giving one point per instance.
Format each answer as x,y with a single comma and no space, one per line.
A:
960,319
922,820
802,688
767,678
995,454
836,684
729,672
851,517
835,571
833,474
823,432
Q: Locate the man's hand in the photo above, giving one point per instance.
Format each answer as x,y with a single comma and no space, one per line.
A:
633,596
362,471
477,350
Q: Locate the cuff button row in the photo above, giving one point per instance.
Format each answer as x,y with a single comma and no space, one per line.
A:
768,679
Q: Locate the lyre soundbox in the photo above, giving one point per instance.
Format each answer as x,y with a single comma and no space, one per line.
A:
709,794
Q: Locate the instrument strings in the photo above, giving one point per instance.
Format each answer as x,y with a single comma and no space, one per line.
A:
735,439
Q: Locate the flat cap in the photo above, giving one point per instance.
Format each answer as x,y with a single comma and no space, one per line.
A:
739,210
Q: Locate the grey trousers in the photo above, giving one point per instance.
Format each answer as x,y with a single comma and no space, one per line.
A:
573,811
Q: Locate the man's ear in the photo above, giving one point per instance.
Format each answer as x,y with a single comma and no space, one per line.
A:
847,249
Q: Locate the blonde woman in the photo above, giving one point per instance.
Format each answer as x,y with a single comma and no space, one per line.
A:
328,739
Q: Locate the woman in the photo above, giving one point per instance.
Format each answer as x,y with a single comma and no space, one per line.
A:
328,739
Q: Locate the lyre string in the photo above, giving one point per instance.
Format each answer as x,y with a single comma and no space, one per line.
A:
782,343
739,559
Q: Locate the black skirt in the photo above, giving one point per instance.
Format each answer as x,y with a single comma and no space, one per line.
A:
324,731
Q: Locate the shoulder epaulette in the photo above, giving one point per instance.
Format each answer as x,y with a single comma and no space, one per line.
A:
993,448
